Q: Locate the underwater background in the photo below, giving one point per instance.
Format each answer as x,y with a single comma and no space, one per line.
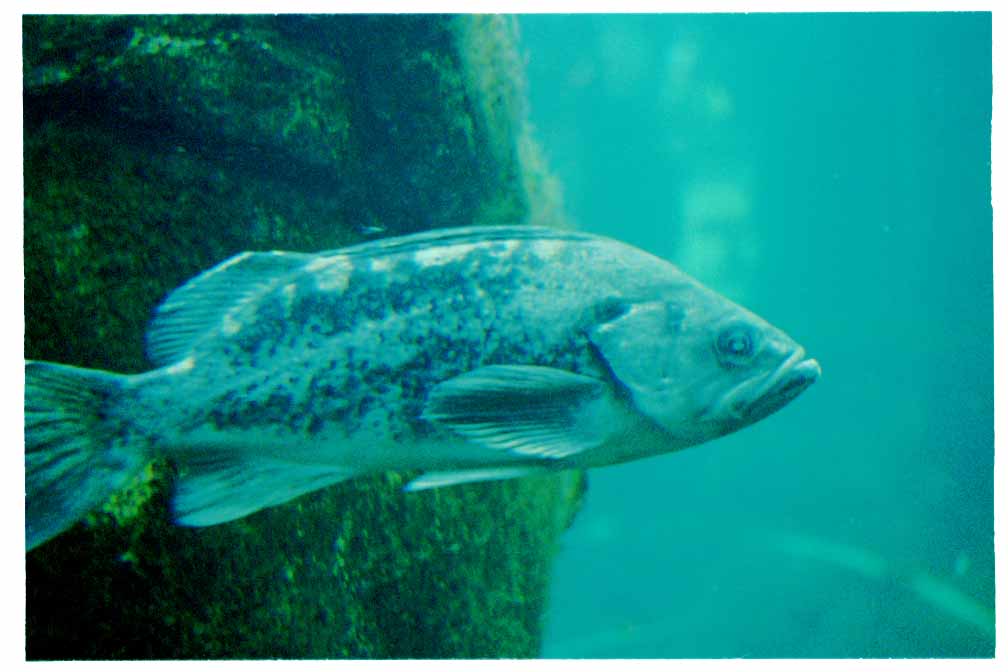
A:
831,173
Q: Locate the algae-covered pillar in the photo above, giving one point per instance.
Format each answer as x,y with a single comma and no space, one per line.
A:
155,147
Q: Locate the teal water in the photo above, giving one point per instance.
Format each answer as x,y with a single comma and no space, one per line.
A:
832,174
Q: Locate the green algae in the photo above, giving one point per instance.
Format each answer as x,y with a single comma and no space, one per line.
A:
157,146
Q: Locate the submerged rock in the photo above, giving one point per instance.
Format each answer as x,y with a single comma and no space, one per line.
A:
156,146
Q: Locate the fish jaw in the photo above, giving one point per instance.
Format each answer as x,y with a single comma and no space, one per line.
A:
755,399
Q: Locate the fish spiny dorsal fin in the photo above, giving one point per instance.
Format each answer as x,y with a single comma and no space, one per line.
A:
198,307
464,235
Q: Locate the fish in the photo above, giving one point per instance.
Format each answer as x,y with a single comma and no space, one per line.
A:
466,355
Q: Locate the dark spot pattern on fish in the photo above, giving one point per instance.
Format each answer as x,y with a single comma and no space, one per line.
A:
348,361
387,335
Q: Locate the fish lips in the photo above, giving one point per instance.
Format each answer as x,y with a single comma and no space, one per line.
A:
782,386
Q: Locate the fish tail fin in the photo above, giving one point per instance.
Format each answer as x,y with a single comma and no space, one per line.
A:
77,452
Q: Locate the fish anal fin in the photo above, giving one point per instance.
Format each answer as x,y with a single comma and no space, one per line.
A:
217,486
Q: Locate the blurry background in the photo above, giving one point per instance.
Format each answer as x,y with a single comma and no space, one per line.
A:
832,174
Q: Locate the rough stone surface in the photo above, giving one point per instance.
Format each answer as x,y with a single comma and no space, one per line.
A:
155,147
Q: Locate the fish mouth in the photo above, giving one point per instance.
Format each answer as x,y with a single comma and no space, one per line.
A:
785,383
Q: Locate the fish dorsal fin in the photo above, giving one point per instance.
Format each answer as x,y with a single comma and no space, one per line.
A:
197,307
463,235
533,411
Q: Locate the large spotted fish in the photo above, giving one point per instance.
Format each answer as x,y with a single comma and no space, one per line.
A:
470,354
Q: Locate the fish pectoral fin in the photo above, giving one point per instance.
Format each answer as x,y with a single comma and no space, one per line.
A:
199,306
439,479
534,411
216,486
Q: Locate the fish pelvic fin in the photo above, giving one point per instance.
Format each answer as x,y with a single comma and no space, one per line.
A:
440,479
77,451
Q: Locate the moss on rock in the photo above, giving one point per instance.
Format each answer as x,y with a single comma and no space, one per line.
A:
157,146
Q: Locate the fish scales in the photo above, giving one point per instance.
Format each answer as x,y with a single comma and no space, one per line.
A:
469,354
372,350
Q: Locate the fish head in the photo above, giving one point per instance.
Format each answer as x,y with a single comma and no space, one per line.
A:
698,365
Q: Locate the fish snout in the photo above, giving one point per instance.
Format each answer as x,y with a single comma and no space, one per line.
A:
790,379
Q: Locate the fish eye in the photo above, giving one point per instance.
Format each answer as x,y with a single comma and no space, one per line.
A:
735,345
